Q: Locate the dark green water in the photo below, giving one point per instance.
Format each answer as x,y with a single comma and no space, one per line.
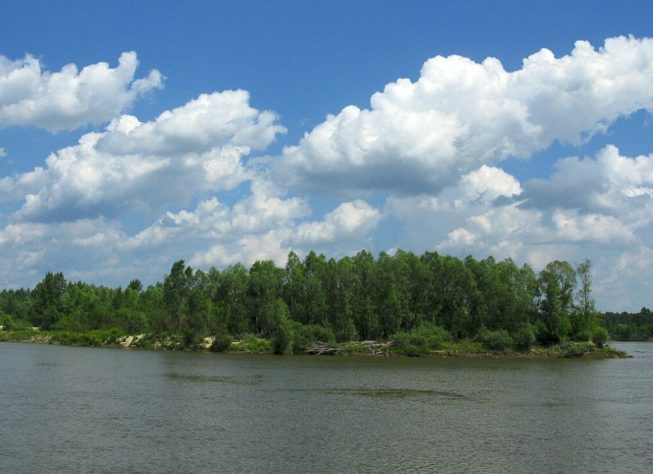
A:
65,409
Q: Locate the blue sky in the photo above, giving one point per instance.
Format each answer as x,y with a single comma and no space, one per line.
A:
219,132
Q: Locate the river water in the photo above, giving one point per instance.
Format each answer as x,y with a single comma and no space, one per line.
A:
66,409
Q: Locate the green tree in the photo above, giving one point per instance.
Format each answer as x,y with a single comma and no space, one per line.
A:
176,289
556,285
47,299
584,318
265,283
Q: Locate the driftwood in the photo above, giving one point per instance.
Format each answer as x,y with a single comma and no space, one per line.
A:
378,348
320,348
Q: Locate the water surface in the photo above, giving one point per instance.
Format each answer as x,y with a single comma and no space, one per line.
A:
66,409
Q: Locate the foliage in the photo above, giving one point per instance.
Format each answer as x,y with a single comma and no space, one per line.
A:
281,339
426,337
599,336
426,301
524,336
498,340
252,343
221,343
629,326
96,338
10,324
304,336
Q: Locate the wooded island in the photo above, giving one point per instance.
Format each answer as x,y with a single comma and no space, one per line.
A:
411,304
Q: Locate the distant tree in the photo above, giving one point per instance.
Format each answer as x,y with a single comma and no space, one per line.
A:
135,285
176,290
48,300
556,285
584,318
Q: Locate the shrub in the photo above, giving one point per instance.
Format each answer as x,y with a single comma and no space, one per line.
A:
303,336
190,340
498,340
421,340
281,339
7,322
524,336
583,336
221,343
252,343
574,349
600,336
347,332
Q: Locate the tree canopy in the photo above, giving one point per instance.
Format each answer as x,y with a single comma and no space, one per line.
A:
354,298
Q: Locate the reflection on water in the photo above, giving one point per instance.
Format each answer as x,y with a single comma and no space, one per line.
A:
202,378
68,409
384,392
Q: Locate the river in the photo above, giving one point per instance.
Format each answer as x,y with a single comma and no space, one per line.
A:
67,409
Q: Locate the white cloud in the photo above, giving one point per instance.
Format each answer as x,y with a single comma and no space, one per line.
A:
350,220
81,249
626,282
3,152
69,98
459,115
597,208
260,226
182,154
488,183
610,184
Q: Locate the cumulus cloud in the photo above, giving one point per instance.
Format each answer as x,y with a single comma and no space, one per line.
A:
350,220
69,98
597,208
627,280
3,152
602,200
609,184
262,225
422,136
213,221
29,249
182,154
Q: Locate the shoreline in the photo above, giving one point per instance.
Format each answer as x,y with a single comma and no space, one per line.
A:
255,345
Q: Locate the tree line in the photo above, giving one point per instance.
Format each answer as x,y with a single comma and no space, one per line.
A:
630,326
361,297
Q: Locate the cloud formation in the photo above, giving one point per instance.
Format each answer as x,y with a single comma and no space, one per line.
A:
609,184
182,154
606,200
422,136
69,98
431,148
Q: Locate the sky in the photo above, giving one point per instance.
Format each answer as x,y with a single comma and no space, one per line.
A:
135,134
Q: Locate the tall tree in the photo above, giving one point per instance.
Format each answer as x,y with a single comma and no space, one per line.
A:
176,288
556,285
585,315
48,300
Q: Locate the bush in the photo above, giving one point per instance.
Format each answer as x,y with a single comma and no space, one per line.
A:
281,339
600,336
498,340
221,343
7,322
190,340
574,349
347,332
524,336
583,336
304,336
253,343
421,340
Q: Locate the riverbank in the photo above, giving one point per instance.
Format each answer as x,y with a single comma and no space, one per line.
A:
252,344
